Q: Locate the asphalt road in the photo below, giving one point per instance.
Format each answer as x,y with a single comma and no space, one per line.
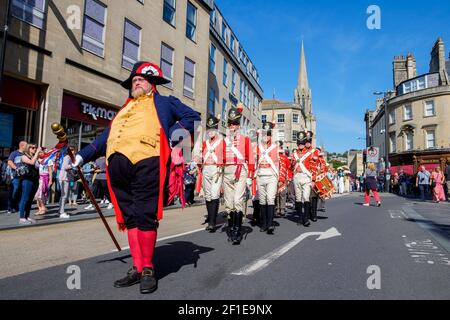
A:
392,252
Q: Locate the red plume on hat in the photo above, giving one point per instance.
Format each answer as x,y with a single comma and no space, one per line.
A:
235,114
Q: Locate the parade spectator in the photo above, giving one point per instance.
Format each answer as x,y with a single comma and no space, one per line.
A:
437,183
45,182
72,178
447,178
190,178
28,173
14,159
371,185
380,182
341,181
88,172
100,184
64,186
423,182
403,183
395,183
361,184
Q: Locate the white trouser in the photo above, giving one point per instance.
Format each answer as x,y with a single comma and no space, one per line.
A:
212,181
267,183
234,191
303,185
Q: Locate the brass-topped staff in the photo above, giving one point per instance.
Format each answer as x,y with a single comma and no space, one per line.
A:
61,135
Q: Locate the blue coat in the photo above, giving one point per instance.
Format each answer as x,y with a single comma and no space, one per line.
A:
173,115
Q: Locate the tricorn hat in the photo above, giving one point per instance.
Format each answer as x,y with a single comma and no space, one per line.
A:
213,122
148,70
235,115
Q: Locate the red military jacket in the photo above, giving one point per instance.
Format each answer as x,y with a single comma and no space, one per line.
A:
267,156
285,169
303,162
239,152
213,153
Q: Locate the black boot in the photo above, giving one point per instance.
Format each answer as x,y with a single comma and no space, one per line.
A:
307,214
270,216
263,217
314,209
231,222
133,277
256,221
209,206
149,284
299,209
237,237
215,204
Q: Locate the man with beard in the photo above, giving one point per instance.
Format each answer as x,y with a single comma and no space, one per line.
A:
137,152
239,165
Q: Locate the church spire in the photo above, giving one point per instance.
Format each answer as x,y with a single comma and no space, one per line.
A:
302,84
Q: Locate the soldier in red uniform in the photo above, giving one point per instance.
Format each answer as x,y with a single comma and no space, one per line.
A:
302,166
267,174
239,166
212,162
283,180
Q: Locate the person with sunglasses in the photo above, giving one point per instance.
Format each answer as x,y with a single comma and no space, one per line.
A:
30,183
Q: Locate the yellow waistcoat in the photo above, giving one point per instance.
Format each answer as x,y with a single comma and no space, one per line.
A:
135,131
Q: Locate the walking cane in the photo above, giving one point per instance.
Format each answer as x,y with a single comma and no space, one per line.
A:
58,130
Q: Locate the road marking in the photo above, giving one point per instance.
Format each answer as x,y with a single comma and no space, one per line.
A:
397,214
264,262
426,252
435,231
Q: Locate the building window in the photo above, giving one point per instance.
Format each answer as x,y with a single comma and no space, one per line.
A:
393,142
212,102
294,135
191,23
212,18
295,118
224,110
131,43
429,109
233,81
280,118
232,44
241,94
409,141
281,135
224,32
245,94
94,27
225,75
392,117
431,139
32,12
169,11
408,113
212,59
189,78
264,118
167,62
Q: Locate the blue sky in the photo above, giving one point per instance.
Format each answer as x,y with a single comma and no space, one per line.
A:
346,61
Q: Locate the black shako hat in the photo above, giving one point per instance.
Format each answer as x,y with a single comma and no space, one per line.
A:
213,122
235,115
304,137
148,70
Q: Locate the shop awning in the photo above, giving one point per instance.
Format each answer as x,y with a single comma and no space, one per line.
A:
408,169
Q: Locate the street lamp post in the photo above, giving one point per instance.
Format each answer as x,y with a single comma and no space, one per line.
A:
3,51
386,140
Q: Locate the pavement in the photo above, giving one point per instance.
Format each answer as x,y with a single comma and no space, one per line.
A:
399,251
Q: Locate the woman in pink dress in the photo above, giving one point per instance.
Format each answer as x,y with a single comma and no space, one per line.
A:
438,178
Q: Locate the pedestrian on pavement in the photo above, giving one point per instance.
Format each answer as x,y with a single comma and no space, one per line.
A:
423,182
29,182
16,183
190,179
447,178
403,183
73,178
45,182
395,183
371,185
137,150
437,183
63,179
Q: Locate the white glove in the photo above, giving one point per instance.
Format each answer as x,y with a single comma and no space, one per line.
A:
78,161
249,182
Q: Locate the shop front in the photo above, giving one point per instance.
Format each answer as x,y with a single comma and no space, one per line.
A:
84,119
19,106
410,162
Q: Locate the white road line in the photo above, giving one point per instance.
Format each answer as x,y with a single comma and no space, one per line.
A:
264,262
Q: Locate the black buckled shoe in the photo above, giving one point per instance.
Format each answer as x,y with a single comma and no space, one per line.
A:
133,277
149,283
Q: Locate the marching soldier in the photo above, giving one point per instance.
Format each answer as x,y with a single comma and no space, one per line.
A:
283,182
212,168
301,163
316,169
267,173
239,165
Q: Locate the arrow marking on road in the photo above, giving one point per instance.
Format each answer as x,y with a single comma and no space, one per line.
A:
264,262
